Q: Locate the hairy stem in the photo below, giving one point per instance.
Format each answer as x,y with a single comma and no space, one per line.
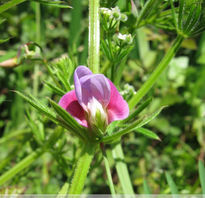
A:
108,172
155,75
82,169
94,35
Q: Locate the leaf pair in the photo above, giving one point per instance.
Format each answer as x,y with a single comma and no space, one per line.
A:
135,126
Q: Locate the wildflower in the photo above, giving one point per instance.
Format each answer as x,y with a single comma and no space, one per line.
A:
127,38
95,102
105,11
115,13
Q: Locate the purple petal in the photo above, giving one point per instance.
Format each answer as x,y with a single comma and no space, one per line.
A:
70,103
117,108
88,85
78,74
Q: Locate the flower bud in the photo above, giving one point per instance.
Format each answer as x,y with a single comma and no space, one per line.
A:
123,17
116,13
97,116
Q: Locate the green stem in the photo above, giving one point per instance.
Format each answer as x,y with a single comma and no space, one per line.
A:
38,40
9,5
122,170
82,169
38,22
21,166
94,35
155,75
108,172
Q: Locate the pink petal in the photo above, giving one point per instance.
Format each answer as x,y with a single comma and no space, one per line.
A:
117,108
70,103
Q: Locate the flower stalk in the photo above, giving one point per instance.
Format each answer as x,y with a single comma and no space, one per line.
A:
82,168
94,35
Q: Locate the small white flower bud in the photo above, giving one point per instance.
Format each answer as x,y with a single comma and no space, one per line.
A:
116,13
123,17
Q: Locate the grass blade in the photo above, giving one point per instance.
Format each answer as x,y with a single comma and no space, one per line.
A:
171,184
63,191
146,187
202,175
9,5
122,169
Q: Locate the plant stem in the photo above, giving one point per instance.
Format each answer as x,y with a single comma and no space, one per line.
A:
94,35
21,165
38,40
122,170
108,172
82,169
155,75
9,5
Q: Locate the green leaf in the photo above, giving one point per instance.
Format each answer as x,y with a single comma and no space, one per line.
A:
60,4
171,184
75,23
36,129
9,5
149,118
39,106
139,109
202,175
63,190
117,135
148,133
146,187
55,89
135,125
181,13
4,40
149,12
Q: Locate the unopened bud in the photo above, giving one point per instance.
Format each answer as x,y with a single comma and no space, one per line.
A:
12,62
123,17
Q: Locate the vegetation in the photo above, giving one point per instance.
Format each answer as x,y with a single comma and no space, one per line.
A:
152,50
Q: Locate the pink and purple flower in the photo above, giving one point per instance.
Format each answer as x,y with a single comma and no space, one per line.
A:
95,102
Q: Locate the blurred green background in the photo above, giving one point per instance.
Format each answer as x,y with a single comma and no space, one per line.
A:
63,32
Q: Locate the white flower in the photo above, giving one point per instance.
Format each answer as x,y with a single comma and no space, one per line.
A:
127,38
106,11
122,36
115,13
